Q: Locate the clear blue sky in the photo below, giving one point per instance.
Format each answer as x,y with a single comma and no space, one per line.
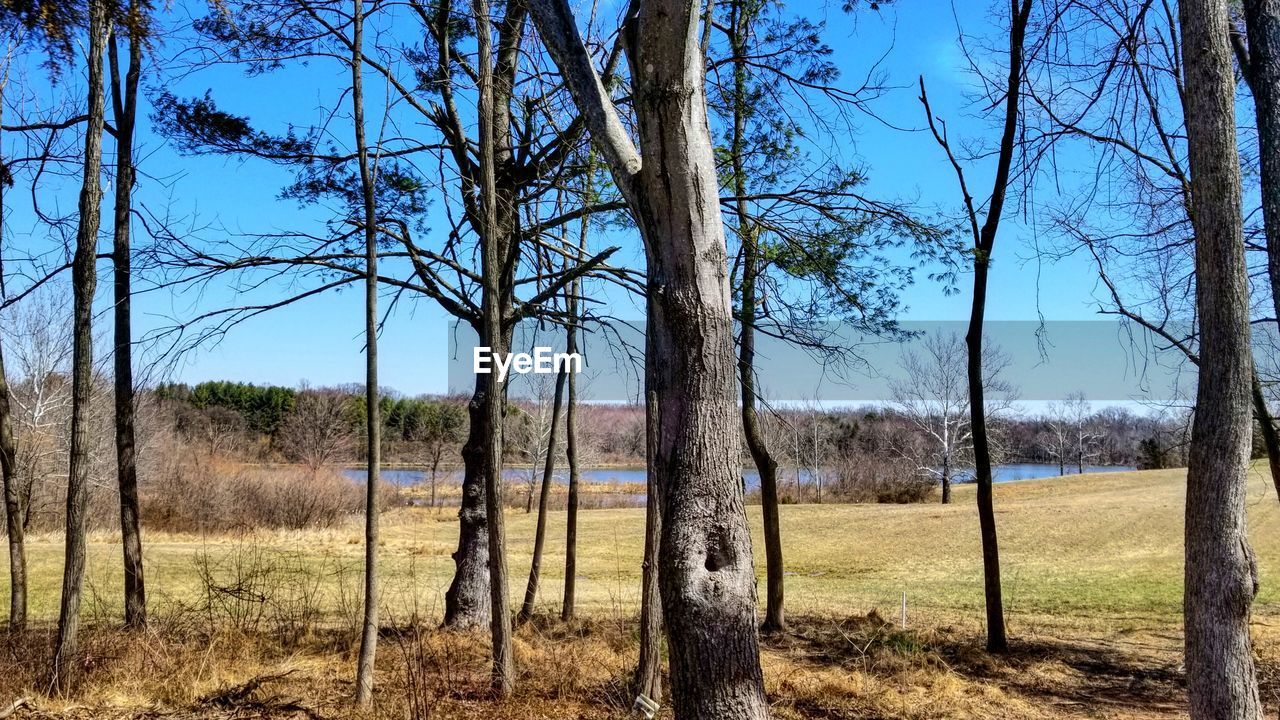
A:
320,341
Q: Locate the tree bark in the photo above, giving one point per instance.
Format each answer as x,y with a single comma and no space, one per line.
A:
492,259
1220,570
84,279
766,465
15,515
540,534
373,416
126,113
466,603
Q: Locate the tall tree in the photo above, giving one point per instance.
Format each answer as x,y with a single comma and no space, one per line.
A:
373,412
125,111
1220,570
707,578
741,17
983,233
84,280
15,528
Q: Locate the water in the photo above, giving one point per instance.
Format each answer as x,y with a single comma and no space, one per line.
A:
1012,472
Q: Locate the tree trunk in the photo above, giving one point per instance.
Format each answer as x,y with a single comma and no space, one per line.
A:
1262,22
648,677
493,255
1220,570
126,112
946,479
84,279
540,534
706,576
766,465
1267,426
15,515
997,640
466,603
373,417
571,412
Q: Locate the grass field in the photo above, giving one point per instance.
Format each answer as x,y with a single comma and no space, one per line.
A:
1092,568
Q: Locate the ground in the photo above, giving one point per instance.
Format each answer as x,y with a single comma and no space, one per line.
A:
1092,570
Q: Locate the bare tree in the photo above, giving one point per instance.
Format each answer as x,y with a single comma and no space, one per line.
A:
934,397
707,579
84,280
125,106
1220,571
983,234
318,432
548,472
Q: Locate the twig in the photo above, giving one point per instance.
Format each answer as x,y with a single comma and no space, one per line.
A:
15,707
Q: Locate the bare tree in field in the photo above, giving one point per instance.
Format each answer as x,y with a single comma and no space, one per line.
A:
317,431
983,232
707,577
124,96
1220,571
84,279
934,397
548,472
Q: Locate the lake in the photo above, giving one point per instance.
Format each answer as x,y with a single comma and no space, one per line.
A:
1011,472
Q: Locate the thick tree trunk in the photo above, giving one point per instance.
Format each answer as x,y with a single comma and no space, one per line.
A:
15,515
706,576
126,112
373,414
766,465
1220,570
84,279
466,603
540,534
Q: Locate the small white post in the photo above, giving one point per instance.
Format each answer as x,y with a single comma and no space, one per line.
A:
903,615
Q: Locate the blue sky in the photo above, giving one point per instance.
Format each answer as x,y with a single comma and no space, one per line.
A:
319,341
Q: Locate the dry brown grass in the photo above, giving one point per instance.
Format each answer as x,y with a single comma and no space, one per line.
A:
1093,582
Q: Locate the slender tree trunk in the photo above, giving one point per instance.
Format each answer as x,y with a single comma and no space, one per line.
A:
373,416
492,259
648,676
1220,569
1262,22
540,534
126,113
997,640
15,515
1267,426
774,618
466,603
571,413
66,658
